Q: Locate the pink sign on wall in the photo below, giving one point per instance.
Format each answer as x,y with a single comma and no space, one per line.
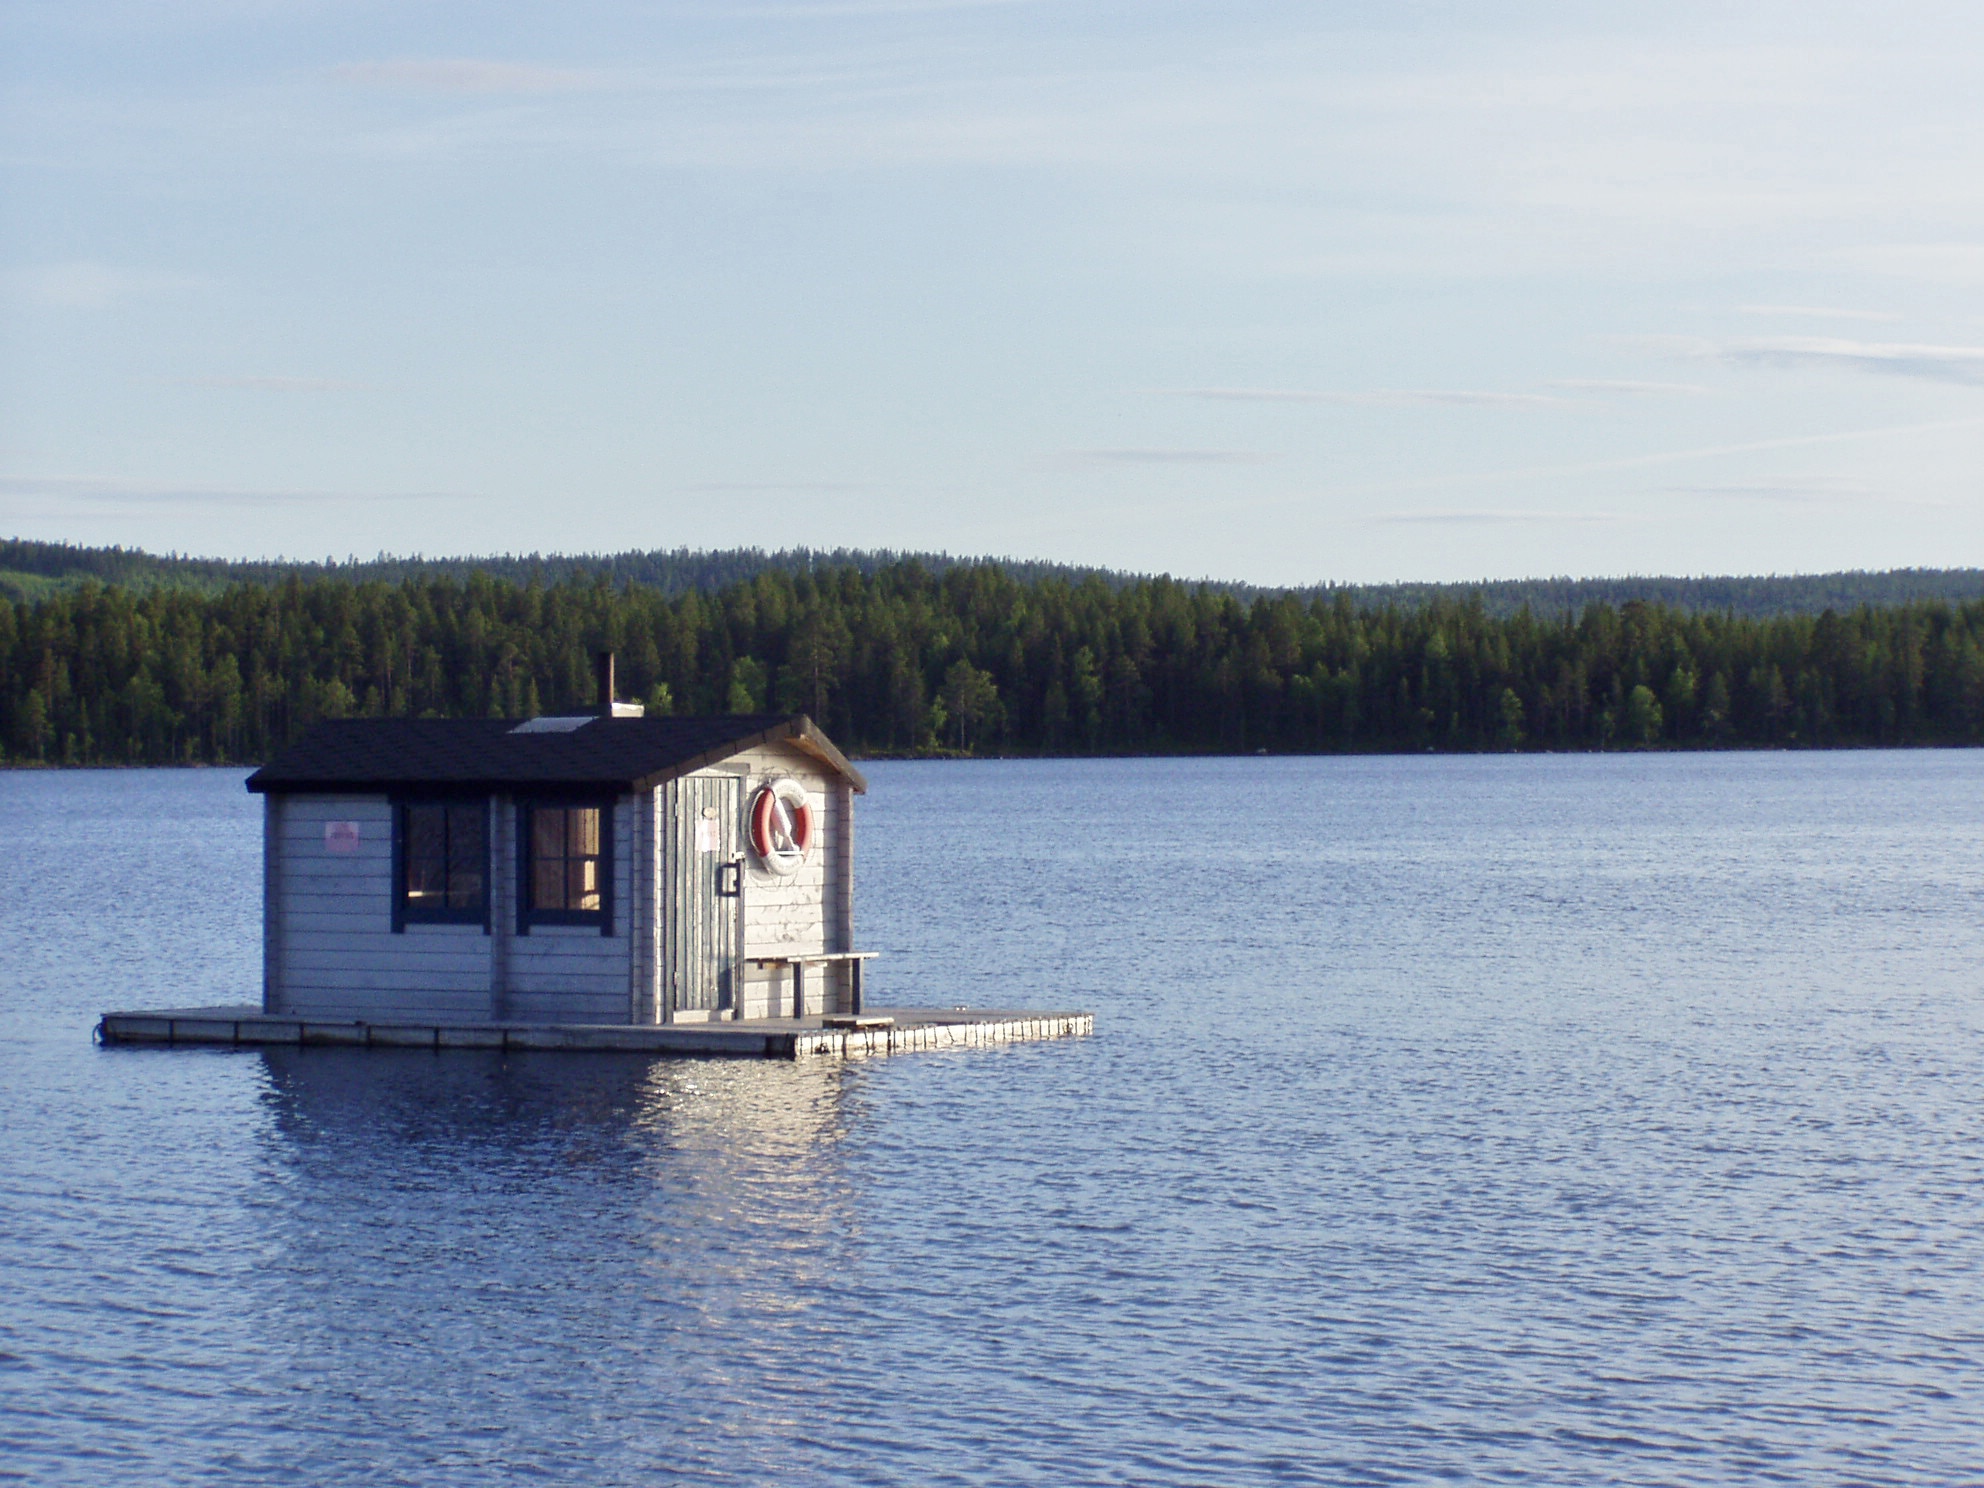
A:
341,837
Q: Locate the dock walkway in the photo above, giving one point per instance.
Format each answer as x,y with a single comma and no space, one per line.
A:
757,1038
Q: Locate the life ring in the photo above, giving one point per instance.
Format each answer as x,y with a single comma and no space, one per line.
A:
781,826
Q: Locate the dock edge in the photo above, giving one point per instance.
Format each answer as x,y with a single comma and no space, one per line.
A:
915,1029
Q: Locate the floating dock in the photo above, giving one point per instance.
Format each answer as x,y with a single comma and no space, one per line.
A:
877,1031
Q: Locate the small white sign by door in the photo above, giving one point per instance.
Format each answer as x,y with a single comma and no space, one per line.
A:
341,837
706,835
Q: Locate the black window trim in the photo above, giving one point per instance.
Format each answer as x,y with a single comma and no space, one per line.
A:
405,914
603,916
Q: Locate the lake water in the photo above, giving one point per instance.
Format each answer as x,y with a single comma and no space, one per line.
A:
1514,1120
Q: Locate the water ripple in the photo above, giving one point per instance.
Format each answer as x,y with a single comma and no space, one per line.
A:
1501,1120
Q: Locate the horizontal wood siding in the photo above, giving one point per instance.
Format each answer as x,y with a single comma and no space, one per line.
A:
336,956
572,973
339,957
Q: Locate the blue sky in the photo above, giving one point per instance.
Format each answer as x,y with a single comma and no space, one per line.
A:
1268,291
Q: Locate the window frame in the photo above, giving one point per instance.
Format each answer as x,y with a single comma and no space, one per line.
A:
526,856
406,912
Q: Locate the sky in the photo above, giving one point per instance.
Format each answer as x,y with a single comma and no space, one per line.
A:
1276,292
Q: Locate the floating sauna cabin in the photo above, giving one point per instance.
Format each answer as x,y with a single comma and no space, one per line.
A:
599,868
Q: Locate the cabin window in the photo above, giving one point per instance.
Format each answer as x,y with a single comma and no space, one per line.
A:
441,863
568,865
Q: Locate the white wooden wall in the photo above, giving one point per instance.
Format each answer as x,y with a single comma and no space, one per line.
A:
338,956
334,954
810,910
331,951
572,973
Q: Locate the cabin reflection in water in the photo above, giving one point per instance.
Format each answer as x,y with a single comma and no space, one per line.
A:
669,1157
453,1249
487,1101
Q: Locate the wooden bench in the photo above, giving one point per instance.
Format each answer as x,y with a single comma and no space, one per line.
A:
800,960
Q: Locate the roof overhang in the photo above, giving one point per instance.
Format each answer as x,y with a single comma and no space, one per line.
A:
798,731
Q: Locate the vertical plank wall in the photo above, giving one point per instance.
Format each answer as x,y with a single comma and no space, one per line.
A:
699,925
272,1000
808,910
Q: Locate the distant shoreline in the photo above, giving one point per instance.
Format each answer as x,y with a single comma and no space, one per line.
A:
31,767
32,570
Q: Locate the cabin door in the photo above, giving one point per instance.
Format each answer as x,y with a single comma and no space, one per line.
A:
704,902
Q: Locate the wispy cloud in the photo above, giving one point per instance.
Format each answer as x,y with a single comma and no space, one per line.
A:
1802,492
1937,263
472,75
1380,397
1815,490
1577,387
1814,312
1627,388
1456,517
1229,508
74,491
720,487
1702,452
1169,456
835,9
1369,489
1963,364
85,285
273,384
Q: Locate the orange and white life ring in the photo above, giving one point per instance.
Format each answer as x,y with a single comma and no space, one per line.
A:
781,826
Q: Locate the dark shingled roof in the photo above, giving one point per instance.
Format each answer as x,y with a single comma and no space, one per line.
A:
618,754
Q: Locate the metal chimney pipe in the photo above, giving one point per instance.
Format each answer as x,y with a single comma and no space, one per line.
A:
602,670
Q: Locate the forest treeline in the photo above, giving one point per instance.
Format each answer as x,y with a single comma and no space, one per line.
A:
36,570
973,660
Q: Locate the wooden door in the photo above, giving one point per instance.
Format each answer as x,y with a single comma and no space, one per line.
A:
701,907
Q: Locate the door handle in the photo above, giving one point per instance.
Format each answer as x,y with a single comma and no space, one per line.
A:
730,879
